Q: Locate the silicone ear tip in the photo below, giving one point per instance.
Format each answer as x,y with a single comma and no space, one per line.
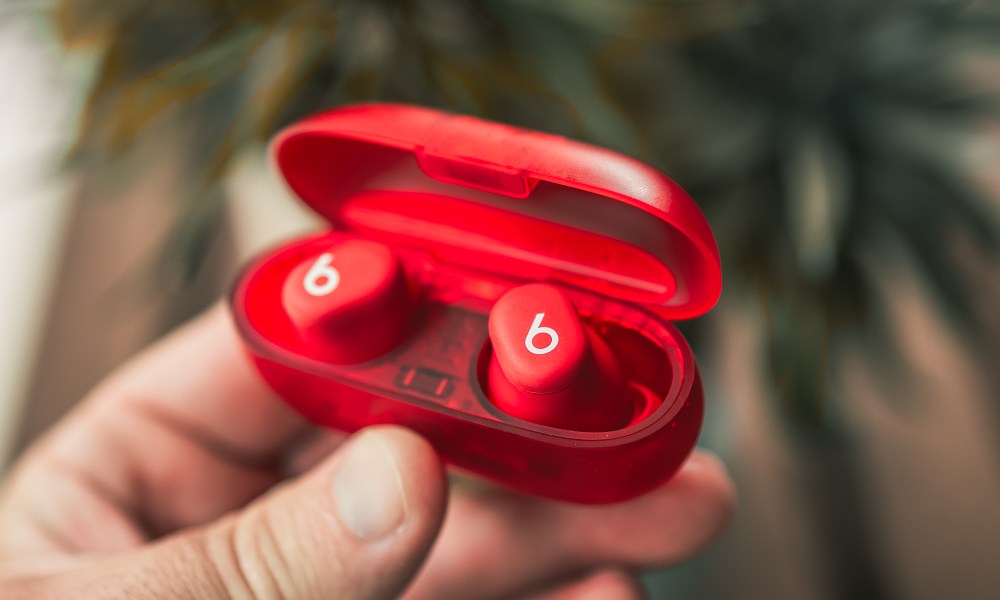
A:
351,301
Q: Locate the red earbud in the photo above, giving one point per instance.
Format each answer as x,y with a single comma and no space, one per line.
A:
351,299
549,367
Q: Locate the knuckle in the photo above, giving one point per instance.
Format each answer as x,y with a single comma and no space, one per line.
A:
245,562
256,557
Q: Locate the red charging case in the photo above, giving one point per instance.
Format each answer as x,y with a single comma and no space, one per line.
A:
473,208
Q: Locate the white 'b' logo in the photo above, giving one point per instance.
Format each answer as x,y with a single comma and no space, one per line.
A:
536,328
322,278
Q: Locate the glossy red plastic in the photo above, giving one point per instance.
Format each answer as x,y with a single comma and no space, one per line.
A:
471,209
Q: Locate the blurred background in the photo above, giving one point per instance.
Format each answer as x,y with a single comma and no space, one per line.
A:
846,153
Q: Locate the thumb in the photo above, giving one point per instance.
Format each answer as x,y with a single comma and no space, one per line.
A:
357,526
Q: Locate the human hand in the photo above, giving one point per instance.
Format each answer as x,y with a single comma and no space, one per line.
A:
183,476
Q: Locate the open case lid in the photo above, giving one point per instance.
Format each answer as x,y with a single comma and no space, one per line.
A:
522,204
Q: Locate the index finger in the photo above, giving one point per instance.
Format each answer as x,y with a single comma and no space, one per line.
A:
182,434
202,381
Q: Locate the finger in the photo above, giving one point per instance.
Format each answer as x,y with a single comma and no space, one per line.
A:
358,525
115,485
182,434
313,449
200,382
606,584
495,542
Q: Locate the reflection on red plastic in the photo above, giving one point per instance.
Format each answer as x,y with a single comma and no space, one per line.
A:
457,212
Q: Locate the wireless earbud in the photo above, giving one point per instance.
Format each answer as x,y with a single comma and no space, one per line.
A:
351,299
549,367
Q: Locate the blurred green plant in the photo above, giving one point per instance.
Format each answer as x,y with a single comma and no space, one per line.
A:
815,134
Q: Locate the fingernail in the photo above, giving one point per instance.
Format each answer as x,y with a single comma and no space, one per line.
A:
368,489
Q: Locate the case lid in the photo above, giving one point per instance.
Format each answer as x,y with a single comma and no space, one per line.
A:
519,203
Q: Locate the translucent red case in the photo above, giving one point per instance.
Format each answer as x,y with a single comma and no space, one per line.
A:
473,208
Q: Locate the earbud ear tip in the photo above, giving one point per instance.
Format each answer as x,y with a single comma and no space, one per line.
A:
607,370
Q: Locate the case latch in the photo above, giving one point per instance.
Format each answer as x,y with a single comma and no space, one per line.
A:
476,174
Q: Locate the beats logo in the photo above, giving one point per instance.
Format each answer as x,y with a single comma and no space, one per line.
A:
322,278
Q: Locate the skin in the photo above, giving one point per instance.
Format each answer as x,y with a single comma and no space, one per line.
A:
182,475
